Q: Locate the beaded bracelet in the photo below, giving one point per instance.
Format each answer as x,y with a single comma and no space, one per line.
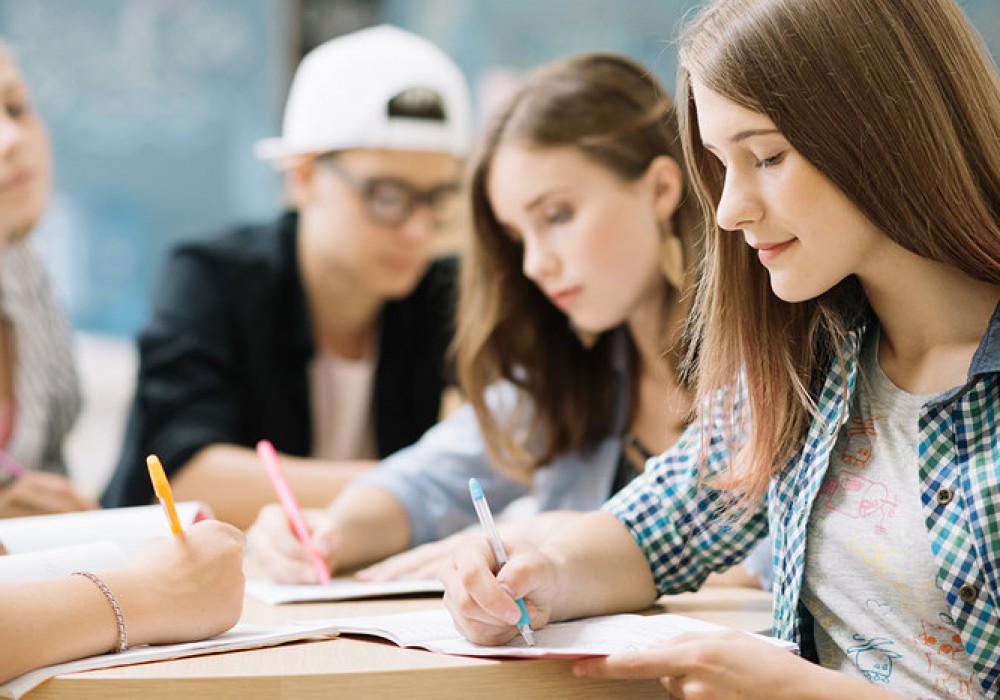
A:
103,587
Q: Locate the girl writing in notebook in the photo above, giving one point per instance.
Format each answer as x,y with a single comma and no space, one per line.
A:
572,303
850,153
175,589
39,394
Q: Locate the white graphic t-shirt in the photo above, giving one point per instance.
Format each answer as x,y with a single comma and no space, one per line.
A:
870,575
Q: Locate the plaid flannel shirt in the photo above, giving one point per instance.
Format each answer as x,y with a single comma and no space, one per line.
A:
675,521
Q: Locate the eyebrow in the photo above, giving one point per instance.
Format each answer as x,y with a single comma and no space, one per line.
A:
537,201
744,135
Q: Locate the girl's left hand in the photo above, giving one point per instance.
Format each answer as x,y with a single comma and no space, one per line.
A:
710,666
421,562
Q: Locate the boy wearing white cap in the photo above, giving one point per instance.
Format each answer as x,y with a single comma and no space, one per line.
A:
326,331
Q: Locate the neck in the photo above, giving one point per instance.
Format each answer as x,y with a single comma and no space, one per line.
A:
649,325
661,405
933,318
342,313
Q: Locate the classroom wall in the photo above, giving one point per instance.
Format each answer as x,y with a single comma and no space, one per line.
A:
153,106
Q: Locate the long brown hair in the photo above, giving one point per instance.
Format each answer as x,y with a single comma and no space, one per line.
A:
619,117
897,103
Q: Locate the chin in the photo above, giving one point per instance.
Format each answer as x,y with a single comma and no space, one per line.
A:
795,293
592,325
397,288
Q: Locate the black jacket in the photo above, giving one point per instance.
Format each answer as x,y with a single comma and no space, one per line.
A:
225,357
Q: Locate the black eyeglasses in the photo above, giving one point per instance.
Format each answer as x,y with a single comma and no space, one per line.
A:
390,201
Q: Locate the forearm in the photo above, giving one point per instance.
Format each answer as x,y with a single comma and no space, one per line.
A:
813,682
600,569
536,530
49,622
373,526
232,481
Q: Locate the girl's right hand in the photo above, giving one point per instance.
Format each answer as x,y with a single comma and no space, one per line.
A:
273,546
184,587
483,604
41,493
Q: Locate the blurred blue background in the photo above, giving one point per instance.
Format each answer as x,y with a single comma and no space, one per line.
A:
153,107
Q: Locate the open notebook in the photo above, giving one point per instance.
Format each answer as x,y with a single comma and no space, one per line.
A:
239,637
595,636
47,546
126,527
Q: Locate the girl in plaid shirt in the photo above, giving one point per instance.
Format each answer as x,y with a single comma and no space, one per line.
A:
847,311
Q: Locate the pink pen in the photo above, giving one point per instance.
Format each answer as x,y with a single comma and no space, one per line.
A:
272,466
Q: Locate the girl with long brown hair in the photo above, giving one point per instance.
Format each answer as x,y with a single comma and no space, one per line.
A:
573,289
845,361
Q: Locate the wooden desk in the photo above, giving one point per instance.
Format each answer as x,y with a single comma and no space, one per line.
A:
353,668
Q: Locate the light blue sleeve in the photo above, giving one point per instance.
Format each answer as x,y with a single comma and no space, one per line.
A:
431,477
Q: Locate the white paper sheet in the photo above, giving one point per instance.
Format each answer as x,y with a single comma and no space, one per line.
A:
596,636
239,637
60,561
127,527
339,589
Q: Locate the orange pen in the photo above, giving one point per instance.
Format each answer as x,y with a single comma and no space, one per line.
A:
162,489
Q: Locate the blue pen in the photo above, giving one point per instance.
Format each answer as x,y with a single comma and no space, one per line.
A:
486,520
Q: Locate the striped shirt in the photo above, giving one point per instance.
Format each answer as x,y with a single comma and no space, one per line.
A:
46,389
674,518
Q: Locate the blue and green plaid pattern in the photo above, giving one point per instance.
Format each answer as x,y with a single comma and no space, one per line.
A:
674,518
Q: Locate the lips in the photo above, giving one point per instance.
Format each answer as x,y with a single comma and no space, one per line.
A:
14,181
563,299
767,252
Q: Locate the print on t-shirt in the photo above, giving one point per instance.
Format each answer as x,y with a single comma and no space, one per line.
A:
852,494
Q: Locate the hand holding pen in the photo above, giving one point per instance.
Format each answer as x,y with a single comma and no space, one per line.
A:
490,528
36,493
272,465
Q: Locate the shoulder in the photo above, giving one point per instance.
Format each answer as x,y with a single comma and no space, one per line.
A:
21,263
256,256
243,244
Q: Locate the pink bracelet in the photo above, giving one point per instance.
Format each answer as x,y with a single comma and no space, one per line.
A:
103,587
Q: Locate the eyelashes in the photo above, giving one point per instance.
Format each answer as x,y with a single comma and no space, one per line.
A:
769,162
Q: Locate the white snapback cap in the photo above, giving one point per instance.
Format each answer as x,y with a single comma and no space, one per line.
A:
342,91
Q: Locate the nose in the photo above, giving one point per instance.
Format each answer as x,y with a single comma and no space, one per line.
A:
739,205
538,261
420,226
11,133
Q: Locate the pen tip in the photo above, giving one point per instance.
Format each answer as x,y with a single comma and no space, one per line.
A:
475,489
529,636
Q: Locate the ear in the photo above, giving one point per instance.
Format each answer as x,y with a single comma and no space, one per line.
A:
667,184
300,179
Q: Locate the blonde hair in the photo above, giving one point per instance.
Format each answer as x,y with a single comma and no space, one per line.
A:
897,103
618,116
